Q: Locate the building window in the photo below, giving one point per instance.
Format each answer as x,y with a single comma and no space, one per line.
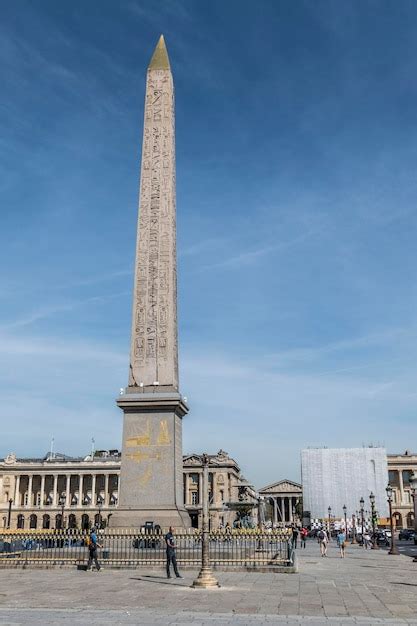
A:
194,478
38,499
222,495
406,477
194,498
393,478
26,499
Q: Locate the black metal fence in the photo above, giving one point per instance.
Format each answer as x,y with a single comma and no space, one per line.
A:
249,549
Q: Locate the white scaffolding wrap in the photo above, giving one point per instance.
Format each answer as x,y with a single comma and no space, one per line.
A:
341,476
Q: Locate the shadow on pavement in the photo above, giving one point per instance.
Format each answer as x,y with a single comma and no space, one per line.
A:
159,580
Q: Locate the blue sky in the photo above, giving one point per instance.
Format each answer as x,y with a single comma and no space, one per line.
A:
297,222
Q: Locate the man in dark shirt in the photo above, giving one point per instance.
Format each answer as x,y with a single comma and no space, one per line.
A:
294,536
171,556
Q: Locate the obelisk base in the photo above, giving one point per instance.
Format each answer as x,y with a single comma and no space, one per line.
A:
151,474
137,518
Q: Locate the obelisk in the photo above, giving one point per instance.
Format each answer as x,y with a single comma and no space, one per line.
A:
151,477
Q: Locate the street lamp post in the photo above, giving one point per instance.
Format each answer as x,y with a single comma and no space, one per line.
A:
362,503
413,485
344,513
205,578
394,549
99,505
353,528
61,502
329,510
373,516
9,513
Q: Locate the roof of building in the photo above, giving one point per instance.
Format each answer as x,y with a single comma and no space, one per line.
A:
60,457
219,459
281,486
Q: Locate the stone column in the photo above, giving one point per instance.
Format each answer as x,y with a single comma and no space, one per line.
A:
42,489
30,497
290,509
283,518
200,488
55,491
187,489
275,519
106,490
400,476
68,491
80,489
93,490
17,491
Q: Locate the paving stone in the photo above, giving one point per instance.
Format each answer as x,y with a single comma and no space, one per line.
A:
360,589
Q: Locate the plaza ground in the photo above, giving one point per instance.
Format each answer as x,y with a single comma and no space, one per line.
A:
368,587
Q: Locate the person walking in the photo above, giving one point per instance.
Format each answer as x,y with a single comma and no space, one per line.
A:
341,542
303,537
92,550
367,540
294,536
171,555
323,539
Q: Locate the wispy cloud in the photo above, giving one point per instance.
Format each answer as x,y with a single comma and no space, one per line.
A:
382,338
249,408
97,279
251,256
204,245
50,311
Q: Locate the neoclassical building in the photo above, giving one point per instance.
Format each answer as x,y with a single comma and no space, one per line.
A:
400,470
284,497
60,491
57,490
226,485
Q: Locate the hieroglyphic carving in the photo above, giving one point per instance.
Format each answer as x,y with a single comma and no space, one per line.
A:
154,327
144,439
163,435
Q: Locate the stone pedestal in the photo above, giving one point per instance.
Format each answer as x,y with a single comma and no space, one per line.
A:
151,476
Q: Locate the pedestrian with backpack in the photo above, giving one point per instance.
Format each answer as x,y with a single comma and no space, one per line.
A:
341,542
92,550
323,540
303,536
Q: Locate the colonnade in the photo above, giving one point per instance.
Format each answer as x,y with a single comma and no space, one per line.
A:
216,490
396,479
70,489
283,509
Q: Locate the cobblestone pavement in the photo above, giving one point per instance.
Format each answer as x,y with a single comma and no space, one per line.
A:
368,587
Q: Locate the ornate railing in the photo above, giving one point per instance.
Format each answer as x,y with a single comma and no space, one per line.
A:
132,548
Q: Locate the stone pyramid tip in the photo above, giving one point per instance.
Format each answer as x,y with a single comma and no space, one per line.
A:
160,60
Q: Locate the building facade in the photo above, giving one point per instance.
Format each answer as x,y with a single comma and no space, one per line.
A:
284,498
400,469
226,486
338,477
60,491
